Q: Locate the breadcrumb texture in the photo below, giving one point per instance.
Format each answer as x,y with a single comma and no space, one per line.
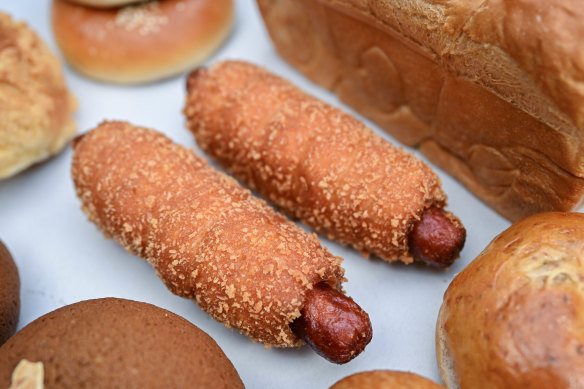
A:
489,90
35,105
314,161
207,237
514,317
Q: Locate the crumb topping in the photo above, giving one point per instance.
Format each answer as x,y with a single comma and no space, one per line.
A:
207,237
28,375
314,161
146,18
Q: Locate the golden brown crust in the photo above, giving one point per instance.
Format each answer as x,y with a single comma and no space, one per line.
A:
208,238
316,162
385,379
35,105
118,343
513,318
489,91
105,3
140,42
9,295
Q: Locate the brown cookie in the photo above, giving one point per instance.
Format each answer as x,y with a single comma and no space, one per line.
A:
9,295
116,343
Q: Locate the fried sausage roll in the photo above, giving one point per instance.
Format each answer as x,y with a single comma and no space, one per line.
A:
208,238
321,165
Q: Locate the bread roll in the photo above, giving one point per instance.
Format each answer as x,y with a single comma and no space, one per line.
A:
489,91
141,42
385,379
9,295
117,343
106,3
321,165
514,317
208,238
35,105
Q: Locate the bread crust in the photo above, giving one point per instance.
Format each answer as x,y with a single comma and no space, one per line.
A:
513,318
36,107
207,237
314,161
118,343
9,295
385,379
140,42
106,3
483,89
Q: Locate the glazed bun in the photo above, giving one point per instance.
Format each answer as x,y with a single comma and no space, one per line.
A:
142,42
116,343
514,318
9,295
105,3
385,379
35,105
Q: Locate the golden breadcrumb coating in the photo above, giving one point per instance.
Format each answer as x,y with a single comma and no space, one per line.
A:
207,237
314,161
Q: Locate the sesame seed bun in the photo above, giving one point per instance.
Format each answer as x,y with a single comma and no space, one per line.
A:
142,42
385,379
116,343
513,318
9,295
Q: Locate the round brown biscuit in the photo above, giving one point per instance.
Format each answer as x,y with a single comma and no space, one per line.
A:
385,379
117,343
9,295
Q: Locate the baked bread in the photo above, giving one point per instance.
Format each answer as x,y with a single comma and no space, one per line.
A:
385,379
489,91
321,165
35,105
9,295
514,317
141,42
212,241
106,3
116,343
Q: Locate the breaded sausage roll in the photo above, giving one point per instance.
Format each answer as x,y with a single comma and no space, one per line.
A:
208,238
319,164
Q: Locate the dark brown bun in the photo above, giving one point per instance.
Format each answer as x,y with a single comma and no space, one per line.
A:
9,295
514,317
36,107
142,42
116,343
385,379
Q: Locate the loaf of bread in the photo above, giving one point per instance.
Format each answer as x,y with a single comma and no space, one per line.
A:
489,91
514,317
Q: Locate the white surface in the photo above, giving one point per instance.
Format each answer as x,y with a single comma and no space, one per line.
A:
63,259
